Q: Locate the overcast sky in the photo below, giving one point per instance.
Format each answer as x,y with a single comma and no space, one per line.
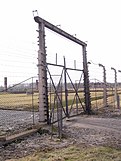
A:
95,21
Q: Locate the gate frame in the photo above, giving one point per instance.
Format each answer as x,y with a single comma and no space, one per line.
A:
65,74
42,72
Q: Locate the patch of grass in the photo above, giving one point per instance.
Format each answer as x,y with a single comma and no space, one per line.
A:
76,153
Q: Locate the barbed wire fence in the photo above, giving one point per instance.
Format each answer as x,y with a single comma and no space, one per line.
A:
18,87
19,83
104,87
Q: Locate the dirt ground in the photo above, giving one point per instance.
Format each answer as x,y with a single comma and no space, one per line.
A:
95,130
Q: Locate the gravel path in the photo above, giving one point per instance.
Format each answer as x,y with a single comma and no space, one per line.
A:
95,131
110,124
13,121
88,130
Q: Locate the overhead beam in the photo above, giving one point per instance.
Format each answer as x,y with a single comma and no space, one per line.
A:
59,31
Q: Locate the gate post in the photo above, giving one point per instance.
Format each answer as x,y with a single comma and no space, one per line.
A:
87,99
42,74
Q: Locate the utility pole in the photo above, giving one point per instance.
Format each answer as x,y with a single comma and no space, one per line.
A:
115,85
104,86
86,81
42,74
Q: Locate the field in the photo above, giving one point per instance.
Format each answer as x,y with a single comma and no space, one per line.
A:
18,101
28,101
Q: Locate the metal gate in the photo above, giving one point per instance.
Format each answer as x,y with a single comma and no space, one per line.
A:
43,70
65,98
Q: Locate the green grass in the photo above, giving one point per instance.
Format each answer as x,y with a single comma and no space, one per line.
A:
76,153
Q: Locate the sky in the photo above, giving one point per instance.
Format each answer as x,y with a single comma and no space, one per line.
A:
96,22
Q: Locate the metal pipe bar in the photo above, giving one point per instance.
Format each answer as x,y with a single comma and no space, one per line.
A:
74,69
66,89
63,66
58,30
55,75
55,65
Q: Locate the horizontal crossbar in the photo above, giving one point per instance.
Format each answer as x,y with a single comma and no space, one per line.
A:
59,31
64,66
